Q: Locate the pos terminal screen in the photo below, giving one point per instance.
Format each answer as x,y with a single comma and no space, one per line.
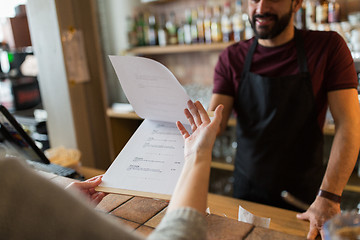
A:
14,141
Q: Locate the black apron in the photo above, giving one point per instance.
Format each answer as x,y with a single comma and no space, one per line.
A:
280,143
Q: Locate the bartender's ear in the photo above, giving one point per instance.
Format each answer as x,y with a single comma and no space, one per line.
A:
296,5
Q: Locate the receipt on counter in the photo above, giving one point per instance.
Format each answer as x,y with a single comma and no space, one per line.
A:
248,217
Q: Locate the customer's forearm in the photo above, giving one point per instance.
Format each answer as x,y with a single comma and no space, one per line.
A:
192,187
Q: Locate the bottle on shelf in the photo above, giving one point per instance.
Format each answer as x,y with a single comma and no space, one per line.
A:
300,17
187,27
249,33
200,24
152,32
162,33
226,28
334,11
310,13
322,11
181,34
216,34
131,31
238,25
140,25
172,29
193,27
207,24
146,29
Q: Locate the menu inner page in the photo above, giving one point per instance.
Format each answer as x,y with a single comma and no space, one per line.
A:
151,162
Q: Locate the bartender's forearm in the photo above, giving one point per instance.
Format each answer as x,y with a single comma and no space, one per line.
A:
344,106
227,102
343,156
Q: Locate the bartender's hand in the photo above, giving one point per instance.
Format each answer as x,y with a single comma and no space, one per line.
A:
88,189
318,213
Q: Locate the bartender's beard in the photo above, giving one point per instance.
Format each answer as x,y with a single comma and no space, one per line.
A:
267,32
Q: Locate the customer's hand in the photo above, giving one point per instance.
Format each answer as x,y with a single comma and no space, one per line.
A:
318,213
203,130
88,189
192,187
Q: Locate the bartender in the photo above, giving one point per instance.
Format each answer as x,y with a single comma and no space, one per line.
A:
279,85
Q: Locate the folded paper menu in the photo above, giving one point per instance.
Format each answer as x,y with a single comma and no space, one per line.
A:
151,162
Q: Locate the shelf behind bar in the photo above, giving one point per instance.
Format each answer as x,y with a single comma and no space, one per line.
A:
128,115
329,129
222,166
198,47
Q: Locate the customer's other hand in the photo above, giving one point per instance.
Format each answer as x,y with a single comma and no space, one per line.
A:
88,189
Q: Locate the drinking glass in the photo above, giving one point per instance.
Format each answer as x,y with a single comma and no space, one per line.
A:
344,226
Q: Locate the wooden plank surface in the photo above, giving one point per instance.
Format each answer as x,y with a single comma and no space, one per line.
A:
139,209
144,230
281,219
144,215
225,228
155,220
259,233
111,202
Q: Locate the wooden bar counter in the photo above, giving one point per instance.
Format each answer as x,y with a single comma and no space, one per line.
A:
144,214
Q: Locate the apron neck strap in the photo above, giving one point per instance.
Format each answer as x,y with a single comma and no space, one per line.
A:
249,56
300,51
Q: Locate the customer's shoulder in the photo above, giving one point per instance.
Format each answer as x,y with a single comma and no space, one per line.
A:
10,163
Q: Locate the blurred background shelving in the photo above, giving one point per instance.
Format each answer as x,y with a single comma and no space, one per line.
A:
80,114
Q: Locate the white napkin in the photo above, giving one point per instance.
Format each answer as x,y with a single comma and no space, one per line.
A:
248,217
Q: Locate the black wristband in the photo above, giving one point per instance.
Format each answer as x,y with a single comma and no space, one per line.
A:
328,195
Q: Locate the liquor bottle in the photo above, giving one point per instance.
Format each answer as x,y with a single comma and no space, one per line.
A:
226,28
187,27
193,26
322,11
249,33
238,24
146,28
172,29
152,32
180,34
300,17
140,30
207,24
334,11
162,33
200,24
131,31
216,34
310,13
